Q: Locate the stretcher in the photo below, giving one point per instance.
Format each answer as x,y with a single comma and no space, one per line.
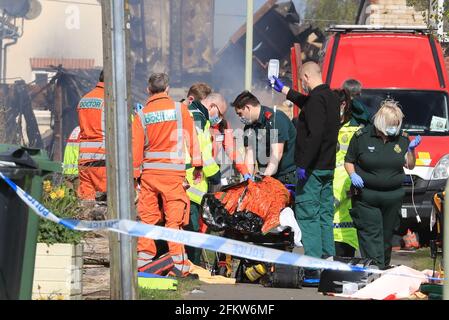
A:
254,212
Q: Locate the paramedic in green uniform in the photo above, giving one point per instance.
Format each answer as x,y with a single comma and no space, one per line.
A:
375,163
269,139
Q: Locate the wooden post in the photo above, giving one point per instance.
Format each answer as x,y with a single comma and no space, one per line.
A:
118,145
176,41
114,251
57,153
249,44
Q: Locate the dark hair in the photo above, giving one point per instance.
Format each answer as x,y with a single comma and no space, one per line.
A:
344,96
354,87
158,82
199,91
245,98
101,78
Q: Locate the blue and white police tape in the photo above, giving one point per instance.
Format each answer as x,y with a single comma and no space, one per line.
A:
194,239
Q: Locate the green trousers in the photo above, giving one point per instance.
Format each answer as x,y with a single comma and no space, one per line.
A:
376,215
314,209
193,253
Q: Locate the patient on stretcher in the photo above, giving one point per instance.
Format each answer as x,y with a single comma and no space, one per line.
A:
252,207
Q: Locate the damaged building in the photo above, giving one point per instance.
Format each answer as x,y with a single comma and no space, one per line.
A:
175,36
277,26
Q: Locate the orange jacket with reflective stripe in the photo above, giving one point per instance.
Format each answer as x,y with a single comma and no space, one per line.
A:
162,132
92,125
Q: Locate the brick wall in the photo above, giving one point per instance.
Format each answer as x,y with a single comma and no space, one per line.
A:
390,12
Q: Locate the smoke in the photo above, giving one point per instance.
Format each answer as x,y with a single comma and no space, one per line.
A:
164,39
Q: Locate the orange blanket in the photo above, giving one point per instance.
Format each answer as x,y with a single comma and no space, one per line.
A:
265,198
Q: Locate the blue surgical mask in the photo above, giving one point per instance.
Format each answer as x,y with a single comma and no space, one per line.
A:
392,131
245,121
214,120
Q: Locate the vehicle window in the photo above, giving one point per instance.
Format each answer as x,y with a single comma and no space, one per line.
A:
426,112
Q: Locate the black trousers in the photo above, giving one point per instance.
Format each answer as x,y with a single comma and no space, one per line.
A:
376,214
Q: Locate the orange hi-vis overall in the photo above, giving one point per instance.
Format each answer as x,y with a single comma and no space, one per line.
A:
162,132
92,156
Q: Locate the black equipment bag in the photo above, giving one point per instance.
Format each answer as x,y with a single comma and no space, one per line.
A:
284,276
332,280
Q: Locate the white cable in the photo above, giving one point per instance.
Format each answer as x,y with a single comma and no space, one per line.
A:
418,218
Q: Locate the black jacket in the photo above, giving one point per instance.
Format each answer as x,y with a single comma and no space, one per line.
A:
317,128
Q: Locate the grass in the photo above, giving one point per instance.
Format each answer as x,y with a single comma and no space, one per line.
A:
185,286
421,260
211,255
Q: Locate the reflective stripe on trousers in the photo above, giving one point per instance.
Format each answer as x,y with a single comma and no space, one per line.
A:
143,258
181,265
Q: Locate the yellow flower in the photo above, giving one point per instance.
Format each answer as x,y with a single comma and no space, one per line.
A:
53,195
47,186
60,193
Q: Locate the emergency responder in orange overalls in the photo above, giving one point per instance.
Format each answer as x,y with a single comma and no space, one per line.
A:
162,132
92,156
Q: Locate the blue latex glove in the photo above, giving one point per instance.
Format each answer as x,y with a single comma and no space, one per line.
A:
356,180
301,174
278,85
414,143
248,176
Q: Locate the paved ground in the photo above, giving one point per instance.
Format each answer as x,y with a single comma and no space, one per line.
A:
96,280
258,292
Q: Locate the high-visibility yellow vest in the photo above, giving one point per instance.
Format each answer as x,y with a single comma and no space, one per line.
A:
210,167
71,153
344,230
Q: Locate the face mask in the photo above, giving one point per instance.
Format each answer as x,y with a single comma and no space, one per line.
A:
245,121
215,120
304,87
392,131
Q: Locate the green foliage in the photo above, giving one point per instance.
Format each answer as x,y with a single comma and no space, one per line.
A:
421,259
323,13
185,286
426,5
63,202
